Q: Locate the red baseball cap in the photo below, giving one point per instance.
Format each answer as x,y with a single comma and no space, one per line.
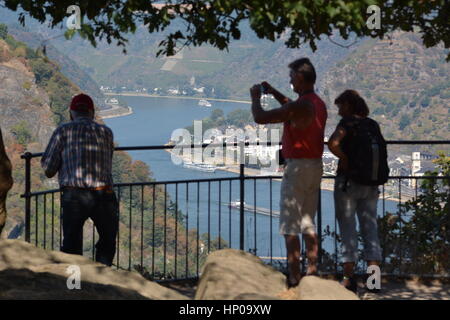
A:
82,102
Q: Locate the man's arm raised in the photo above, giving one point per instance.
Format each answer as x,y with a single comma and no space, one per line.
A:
271,116
301,113
281,98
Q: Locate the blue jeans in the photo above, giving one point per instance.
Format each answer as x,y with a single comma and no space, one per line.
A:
102,207
356,199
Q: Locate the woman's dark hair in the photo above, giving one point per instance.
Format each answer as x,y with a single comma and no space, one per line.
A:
356,103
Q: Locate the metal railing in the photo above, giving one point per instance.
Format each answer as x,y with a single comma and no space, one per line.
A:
164,236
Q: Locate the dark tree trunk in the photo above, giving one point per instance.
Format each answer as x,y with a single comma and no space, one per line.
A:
6,182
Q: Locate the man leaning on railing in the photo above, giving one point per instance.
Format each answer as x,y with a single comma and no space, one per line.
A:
80,151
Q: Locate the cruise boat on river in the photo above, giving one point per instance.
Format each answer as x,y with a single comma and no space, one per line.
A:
204,103
199,166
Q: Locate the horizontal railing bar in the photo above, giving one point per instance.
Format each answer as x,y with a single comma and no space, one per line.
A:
40,193
151,183
412,142
162,147
419,177
204,145
162,281
332,274
395,275
334,177
236,144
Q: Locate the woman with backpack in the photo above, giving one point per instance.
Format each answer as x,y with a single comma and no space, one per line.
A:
361,149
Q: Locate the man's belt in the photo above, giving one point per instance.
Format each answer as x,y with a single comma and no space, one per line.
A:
102,188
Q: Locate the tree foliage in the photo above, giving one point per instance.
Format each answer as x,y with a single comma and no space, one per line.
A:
48,77
217,22
3,31
22,133
405,120
417,239
238,118
425,102
58,87
216,114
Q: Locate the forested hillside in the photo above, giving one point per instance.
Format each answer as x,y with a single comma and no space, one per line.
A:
223,74
38,36
249,60
407,86
34,101
68,67
35,95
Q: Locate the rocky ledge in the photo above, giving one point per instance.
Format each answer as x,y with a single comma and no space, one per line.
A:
237,275
28,272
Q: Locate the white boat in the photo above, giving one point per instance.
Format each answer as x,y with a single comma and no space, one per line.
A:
199,166
204,103
207,167
235,204
252,209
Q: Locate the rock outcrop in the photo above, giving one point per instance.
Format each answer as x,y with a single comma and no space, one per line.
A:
228,274
236,275
315,288
27,272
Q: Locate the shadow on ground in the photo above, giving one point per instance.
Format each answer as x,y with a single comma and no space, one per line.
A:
404,289
22,284
391,290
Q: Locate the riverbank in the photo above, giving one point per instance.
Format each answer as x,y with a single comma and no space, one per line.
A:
136,94
324,186
327,184
115,112
258,172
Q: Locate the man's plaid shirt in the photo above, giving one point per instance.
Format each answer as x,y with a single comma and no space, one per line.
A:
81,152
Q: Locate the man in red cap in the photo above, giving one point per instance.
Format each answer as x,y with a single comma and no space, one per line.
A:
80,151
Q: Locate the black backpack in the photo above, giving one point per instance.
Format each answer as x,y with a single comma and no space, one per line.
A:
367,154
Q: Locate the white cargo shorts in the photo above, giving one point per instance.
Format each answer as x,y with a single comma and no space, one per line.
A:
299,196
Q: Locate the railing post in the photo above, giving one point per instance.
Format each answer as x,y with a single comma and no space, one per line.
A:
242,194
27,157
319,226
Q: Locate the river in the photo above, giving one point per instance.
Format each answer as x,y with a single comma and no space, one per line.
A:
152,123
